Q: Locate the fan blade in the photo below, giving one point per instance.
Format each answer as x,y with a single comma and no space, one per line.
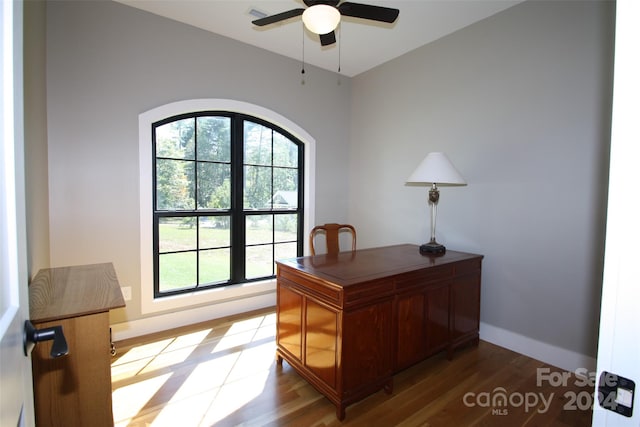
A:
327,39
367,11
277,17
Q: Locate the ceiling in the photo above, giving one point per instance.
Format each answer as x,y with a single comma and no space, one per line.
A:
361,45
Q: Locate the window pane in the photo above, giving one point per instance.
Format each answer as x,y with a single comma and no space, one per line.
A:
177,234
214,232
176,139
259,261
257,187
214,139
285,187
286,250
285,151
174,185
257,144
177,271
285,200
259,229
215,266
214,186
286,228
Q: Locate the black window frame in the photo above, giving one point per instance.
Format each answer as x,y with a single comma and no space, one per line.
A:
237,213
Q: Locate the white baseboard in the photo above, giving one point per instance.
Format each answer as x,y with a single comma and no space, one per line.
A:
547,353
163,322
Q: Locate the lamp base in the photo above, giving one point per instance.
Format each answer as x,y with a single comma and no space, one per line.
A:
432,248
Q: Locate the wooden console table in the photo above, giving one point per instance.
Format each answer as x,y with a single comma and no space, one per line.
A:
348,323
74,390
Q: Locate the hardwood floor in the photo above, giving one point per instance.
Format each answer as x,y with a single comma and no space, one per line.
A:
224,373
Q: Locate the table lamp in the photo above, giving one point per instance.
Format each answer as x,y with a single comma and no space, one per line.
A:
436,169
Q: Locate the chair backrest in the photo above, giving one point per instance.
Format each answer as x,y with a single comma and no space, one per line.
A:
332,236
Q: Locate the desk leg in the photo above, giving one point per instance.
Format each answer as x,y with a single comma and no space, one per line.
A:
278,359
340,412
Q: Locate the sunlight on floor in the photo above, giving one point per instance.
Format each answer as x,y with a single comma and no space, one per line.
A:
195,379
128,401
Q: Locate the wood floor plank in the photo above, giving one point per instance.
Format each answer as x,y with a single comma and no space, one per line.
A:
223,373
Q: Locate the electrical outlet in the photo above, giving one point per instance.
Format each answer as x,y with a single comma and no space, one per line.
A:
126,293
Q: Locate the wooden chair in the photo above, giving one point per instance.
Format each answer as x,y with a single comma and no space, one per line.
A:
332,235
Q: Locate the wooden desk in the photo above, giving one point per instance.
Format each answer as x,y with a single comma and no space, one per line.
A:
348,323
74,390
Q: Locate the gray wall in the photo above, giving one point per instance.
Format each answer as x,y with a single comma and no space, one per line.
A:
107,63
35,136
520,102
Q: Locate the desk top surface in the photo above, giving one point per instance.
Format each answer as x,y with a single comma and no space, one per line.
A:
64,292
348,268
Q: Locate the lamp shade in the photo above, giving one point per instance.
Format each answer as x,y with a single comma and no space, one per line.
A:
436,168
321,18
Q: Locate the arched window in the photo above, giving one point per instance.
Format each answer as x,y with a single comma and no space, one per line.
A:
226,188
227,200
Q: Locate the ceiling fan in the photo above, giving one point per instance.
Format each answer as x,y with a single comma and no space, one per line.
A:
322,16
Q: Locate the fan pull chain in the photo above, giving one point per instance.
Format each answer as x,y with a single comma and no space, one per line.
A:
339,46
302,72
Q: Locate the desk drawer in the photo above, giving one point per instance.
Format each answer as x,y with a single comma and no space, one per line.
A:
465,267
368,292
323,291
423,277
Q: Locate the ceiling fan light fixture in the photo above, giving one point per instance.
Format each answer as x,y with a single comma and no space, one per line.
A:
321,18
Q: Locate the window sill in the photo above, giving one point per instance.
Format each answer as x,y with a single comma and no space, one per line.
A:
211,296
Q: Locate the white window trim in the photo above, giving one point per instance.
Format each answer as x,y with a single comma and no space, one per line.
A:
227,293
